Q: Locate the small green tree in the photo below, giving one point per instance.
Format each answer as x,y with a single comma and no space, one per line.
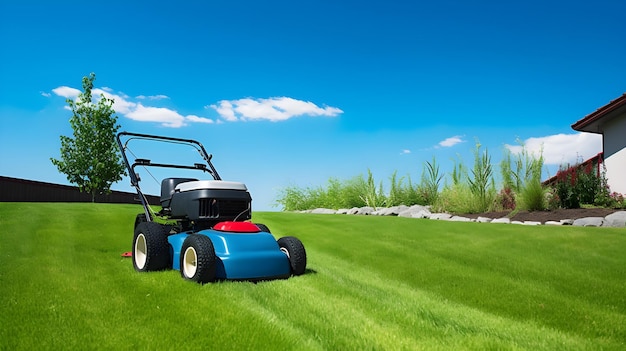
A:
91,159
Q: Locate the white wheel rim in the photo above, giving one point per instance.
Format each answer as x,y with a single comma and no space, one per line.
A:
284,250
141,251
190,262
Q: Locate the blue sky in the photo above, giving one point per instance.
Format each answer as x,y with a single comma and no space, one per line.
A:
294,92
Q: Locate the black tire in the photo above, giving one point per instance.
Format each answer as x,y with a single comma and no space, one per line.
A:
294,249
141,217
263,227
197,259
151,251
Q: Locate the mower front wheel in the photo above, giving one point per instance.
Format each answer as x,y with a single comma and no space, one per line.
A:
151,250
293,248
197,259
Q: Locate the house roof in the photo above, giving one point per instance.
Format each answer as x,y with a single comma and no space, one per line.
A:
595,121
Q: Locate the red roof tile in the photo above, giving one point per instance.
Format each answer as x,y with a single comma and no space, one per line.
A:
590,123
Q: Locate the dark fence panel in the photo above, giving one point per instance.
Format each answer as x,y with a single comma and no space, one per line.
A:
22,190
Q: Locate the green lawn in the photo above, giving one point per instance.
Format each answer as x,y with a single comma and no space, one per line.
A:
373,283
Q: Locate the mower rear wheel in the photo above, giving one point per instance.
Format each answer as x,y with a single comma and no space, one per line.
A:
151,250
141,217
197,259
293,248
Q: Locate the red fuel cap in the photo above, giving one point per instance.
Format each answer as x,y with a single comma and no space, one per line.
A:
237,227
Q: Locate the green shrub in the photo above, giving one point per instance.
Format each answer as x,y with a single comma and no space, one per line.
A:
470,191
522,175
578,185
456,199
404,193
506,199
532,197
481,183
431,179
372,196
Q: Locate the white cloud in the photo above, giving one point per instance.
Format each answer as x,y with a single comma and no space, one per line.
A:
121,104
272,109
45,94
197,119
275,109
405,152
562,149
66,92
451,141
166,117
225,110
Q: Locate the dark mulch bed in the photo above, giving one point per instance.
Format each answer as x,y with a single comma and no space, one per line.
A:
544,216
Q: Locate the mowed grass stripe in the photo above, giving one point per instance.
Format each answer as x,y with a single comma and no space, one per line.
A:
373,283
569,278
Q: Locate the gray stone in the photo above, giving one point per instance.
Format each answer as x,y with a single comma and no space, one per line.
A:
421,214
400,209
413,210
501,220
444,216
342,211
554,223
531,223
365,210
483,220
567,221
353,211
379,212
589,222
617,219
392,211
517,222
459,219
323,211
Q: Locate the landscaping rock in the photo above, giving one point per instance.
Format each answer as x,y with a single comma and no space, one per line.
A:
589,222
353,211
554,223
531,223
323,211
443,216
415,211
459,219
365,211
391,211
612,219
422,214
399,209
617,220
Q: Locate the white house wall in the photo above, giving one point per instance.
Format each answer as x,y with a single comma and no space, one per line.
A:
614,147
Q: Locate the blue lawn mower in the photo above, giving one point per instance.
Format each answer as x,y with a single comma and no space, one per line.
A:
203,228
